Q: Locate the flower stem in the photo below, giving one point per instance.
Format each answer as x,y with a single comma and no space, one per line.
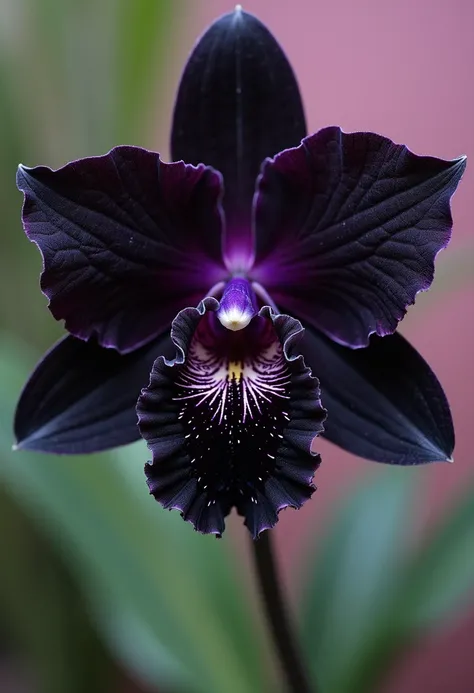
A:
278,618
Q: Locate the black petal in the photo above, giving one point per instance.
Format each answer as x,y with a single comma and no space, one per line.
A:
82,397
238,103
384,402
127,241
347,229
231,420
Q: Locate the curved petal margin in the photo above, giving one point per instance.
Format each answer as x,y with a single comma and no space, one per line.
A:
384,402
82,398
230,421
127,241
348,227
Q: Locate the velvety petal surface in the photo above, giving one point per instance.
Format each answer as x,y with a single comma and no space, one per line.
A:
238,102
127,241
230,420
82,397
384,402
348,227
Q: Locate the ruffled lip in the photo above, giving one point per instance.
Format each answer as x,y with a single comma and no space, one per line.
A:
230,424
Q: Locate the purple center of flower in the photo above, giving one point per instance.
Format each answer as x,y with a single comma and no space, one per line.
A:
238,304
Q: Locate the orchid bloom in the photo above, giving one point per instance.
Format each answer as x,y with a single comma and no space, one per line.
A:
254,231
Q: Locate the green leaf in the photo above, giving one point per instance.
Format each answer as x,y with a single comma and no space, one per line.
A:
144,29
352,581
133,641
177,588
44,613
441,575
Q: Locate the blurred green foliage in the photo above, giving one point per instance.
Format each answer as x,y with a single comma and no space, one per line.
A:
370,592
43,612
93,574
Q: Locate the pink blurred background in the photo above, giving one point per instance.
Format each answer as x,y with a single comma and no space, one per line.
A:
402,69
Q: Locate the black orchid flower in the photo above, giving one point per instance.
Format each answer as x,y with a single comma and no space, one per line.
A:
261,228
